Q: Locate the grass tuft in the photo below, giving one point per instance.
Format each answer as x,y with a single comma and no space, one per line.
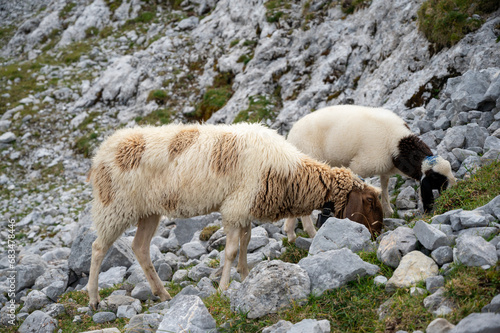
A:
446,22
471,193
207,232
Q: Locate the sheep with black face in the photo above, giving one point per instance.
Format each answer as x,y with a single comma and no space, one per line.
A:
246,172
370,141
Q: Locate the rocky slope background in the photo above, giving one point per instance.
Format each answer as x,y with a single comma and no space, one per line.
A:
74,71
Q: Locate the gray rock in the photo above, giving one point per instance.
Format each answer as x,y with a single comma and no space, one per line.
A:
469,219
469,167
142,291
186,228
431,238
112,276
439,325
310,326
442,123
380,280
474,251
55,289
147,322
468,90
26,275
120,253
7,137
395,245
35,301
206,288
478,323
445,228
136,274
333,269
189,290
442,255
126,311
38,322
54,310
165,272
4,125
281,326
180,275
63,94
433,283
494,305
103,317
270,287
112,302
303,243
97,15
416,291
475,136
407,198
193,250
425,126
492,208
392,223
187,313
414,267
492,143
485,232
454,138
445,218
189,23
258,239
50,275
438,304
199,271
336,234
462,154
56,255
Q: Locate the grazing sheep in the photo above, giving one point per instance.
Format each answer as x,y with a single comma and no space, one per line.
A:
244,171
372,141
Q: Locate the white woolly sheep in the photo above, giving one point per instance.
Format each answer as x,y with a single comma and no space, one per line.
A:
244,171
371,141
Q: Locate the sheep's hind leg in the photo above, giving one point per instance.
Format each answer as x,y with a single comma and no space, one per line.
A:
308,225
245,235
230,251
141,244
386,204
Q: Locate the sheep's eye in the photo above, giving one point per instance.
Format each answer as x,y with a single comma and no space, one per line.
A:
370,200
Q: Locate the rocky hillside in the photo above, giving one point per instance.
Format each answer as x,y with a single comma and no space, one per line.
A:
71,72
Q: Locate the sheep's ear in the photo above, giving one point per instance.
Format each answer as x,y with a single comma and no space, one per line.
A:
354,207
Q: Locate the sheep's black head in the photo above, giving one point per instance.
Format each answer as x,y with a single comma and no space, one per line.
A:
437,175
364,206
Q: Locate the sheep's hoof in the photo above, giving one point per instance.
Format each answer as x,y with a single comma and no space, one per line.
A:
94,305
165,296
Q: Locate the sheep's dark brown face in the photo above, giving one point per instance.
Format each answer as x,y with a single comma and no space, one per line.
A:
364,206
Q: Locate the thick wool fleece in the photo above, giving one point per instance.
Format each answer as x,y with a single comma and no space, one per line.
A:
245,171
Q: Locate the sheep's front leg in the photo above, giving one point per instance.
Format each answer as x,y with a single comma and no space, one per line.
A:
232,235
245,235
99,250
386,203
141,244
290,229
